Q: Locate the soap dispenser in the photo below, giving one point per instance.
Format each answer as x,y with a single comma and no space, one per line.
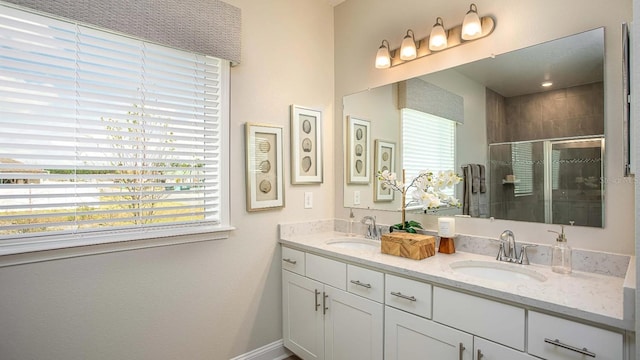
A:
352,220
561,254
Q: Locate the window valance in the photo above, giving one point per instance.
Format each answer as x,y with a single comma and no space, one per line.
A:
422,96
209,27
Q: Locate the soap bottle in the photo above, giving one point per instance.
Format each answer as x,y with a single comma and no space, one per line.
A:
561,254
352,220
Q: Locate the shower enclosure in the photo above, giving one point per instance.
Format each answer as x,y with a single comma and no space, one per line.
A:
556,181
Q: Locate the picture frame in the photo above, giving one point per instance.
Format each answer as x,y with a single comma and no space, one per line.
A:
264,166
358,158
306,145
384,159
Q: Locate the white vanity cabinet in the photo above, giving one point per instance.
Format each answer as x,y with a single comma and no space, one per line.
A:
321,320
336,310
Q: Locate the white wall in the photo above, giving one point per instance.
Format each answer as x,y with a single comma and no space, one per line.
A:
209,300
360,26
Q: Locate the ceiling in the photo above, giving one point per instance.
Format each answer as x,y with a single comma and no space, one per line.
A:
570,61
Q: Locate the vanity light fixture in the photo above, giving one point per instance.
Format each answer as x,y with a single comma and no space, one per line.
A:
547,84
408,49
438,37
383,58
471,26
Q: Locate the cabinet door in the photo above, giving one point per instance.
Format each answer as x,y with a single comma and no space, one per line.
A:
353,327
303,326
409,337
487,350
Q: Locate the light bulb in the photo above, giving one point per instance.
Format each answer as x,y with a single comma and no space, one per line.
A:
408,49
383,57
438,37
471,26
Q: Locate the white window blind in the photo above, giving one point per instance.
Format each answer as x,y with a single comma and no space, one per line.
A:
104,132
522,166
428,143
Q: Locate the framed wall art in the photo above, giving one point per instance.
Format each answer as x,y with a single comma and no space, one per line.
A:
264,174
306,145
358,157
385,154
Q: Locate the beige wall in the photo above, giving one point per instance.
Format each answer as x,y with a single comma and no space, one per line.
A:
218,299
210,300
360,26
379,107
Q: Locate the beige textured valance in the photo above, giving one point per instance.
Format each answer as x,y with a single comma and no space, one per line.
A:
420,95
209,27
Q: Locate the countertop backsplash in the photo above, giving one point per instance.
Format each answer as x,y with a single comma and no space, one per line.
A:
583,260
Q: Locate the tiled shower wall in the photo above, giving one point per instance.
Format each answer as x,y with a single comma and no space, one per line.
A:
574,111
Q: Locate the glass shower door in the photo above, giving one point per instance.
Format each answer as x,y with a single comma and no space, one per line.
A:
574,183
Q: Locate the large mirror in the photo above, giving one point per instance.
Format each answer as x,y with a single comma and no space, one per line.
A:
528,123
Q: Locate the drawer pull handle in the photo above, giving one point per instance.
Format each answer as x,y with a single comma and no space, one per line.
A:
403,296
316,292
357,282
479,355
582,351
461,350
292,262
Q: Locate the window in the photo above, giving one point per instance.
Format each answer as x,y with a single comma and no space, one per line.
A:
103,132
522,160
428,143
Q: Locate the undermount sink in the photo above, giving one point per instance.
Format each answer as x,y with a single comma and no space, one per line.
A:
496,271
354,243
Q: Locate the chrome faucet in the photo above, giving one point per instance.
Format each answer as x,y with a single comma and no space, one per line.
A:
508,246
508,251
372,230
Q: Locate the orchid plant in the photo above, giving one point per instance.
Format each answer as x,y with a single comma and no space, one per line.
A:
427,191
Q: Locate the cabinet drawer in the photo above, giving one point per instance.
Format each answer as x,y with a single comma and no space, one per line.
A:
489,319
293,260
366,283
328,271
559,339
408,295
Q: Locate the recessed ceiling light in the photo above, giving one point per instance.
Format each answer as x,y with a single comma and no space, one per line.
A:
547,84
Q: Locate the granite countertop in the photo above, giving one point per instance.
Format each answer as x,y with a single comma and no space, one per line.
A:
587,296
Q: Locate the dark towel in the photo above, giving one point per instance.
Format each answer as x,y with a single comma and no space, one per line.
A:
483,180
466,174
475,175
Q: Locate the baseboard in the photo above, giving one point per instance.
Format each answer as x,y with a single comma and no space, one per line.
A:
273,351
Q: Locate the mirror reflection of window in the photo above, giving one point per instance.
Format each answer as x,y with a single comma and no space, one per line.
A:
555,169
522,165
428,143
